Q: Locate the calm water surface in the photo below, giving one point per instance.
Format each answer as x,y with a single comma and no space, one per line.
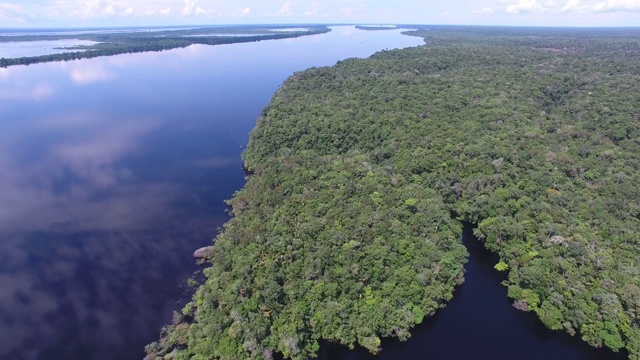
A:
114,169
18,49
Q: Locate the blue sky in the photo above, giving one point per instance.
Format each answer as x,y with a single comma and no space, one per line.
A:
81,13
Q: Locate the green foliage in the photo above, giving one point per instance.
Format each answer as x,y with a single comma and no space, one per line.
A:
343,232
501,266
411,202
419,314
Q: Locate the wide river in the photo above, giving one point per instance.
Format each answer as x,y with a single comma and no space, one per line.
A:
114,169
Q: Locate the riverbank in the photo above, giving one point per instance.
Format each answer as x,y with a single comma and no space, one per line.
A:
343,232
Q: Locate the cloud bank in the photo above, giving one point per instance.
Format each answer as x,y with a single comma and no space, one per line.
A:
96,13
515,7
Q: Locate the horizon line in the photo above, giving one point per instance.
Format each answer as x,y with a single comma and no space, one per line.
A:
397,25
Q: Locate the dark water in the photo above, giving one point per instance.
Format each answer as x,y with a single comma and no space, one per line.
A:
480,323
113,170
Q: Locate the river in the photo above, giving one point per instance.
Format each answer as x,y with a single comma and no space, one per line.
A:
114,169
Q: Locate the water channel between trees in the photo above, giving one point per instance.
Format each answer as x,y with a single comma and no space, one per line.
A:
480,323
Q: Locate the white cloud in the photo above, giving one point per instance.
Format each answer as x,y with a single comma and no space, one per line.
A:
198,8
161,11
146,12
97,9
186,12
237,12
484,11
190,7
571,4
285,10
314,10
347,11
522,6
515,7
11,11
617,5
10,7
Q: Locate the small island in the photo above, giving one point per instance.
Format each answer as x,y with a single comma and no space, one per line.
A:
376,27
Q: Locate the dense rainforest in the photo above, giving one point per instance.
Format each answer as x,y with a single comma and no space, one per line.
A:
348,228
114,43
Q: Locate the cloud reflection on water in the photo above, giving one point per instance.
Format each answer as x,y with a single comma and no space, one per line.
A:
85,72
80,230
90,289
93,159
59,184
36,92
89,75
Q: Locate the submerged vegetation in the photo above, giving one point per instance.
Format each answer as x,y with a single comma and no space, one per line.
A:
344,230
114,43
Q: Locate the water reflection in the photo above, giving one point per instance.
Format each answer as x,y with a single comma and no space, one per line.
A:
16,49
35,92
113,170
87,74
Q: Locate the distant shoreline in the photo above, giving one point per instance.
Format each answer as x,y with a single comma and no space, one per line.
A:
116,43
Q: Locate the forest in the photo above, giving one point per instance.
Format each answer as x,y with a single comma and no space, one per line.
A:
376,27
114,43
361,174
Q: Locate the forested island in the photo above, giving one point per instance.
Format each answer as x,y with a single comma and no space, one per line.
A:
376,27
114,43
348,229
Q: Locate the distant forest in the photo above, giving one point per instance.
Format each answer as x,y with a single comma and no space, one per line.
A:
349,227
142,41
376,27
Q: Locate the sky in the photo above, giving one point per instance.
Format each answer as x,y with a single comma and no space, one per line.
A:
96,13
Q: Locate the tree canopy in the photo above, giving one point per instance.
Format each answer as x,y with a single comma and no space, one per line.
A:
344,230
